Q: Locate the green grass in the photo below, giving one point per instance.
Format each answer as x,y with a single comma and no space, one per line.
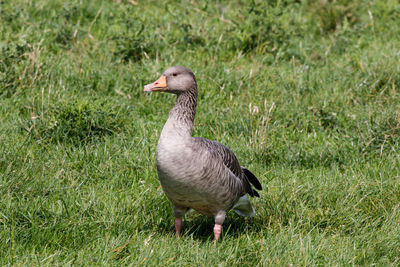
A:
306,93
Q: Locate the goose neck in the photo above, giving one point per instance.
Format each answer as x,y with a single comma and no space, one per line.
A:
181,116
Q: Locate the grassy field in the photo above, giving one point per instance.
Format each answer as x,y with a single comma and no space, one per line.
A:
306,93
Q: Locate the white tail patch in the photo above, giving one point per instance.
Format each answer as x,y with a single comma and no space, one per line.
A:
243,207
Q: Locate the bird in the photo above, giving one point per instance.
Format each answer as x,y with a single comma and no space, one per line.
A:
194,172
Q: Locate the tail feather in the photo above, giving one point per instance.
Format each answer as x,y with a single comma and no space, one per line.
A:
243,207
252,192
252,179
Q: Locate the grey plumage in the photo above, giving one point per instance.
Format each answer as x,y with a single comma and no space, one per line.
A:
195,172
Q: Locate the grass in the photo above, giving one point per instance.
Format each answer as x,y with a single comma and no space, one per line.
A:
306,93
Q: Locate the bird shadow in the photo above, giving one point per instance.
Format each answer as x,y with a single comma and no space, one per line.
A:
200,227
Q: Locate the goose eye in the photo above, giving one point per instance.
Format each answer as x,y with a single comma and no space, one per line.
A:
174,74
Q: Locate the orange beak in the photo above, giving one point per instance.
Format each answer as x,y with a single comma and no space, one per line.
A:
159,85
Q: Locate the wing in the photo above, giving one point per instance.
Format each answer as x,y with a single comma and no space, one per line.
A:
230,161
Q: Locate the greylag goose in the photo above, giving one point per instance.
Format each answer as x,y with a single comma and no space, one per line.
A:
196,173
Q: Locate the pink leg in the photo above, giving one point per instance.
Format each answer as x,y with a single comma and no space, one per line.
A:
178,226
217,233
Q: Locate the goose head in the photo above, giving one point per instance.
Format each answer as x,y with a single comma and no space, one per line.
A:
174,80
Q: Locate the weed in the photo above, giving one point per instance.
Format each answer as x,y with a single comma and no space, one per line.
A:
76,122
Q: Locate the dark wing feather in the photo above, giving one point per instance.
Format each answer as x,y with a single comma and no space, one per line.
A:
252,178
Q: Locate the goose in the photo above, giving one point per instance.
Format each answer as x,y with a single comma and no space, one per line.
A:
196,173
